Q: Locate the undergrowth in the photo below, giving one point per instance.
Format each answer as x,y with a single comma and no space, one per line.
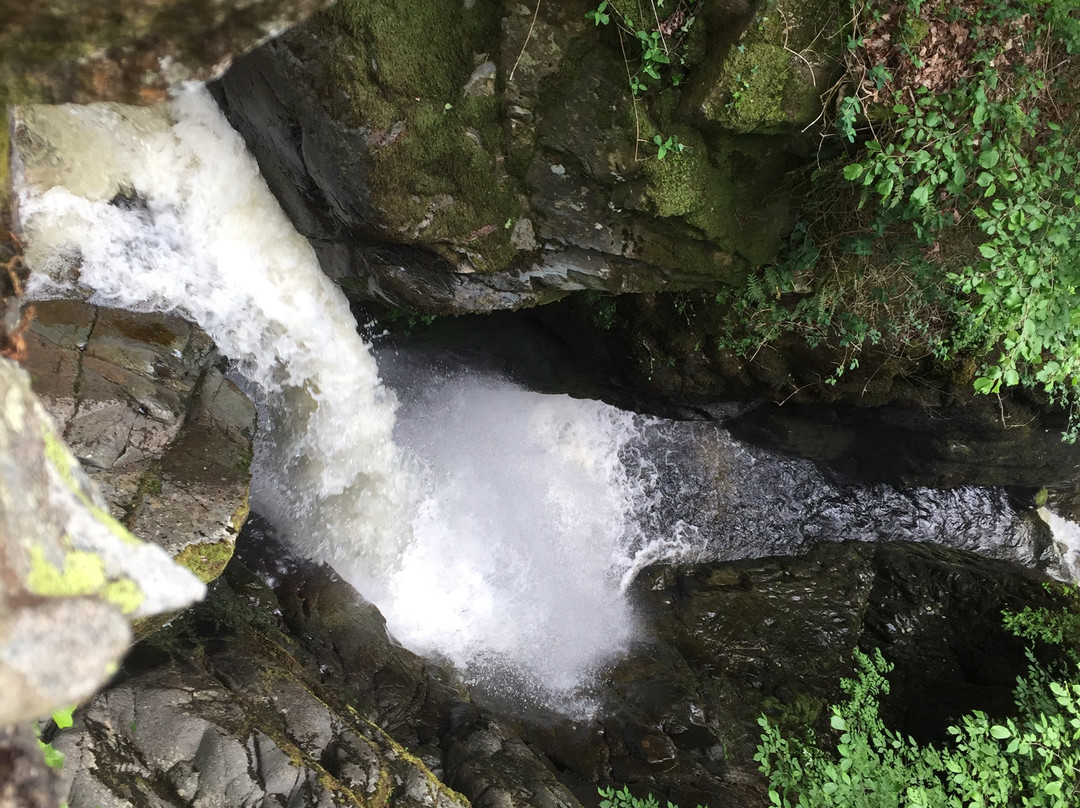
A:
1031,759
652,37
952,226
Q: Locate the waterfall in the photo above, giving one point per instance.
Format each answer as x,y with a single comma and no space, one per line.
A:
493,526
170,214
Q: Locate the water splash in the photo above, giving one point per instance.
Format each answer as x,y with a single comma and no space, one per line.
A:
529,517
164,210
1067,544
504,532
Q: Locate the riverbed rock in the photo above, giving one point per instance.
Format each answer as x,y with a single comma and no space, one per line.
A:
291,694
515,166
285,687
142,402
73,576
724,643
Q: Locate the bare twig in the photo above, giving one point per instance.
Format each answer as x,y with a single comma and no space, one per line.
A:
633,97
525,44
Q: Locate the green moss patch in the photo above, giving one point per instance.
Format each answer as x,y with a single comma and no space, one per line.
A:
761,90
773,78
82,574
206,561
437,176
717,188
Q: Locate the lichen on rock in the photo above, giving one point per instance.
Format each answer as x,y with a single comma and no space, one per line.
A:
73,576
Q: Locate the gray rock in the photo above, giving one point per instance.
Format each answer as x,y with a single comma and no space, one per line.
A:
264,719
73,576
363,158
482,81
72,50
152,419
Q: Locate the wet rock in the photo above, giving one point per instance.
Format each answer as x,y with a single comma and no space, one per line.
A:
462,193
907,423
143,405
1010,442
73,577
290,694
486,758
726,642
284,686
131,52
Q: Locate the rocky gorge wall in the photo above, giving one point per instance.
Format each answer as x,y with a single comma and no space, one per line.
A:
427,177
512,164
517,168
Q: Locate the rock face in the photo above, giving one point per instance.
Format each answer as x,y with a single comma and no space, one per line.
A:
887,419
142,403
513,164
292,695
284,688
946,446
72,576
132,52
726,642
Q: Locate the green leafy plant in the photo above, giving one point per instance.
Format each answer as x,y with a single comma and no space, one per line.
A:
53,757
622,798
966,181
1032,760
742,87
599,15
1060,627
666,145
659,37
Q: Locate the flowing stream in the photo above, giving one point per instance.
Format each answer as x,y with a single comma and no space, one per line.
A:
493,526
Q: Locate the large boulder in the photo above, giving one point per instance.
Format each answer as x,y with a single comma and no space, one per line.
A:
73,576
142,402
512,164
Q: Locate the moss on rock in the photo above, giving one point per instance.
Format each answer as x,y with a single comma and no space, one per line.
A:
758,89
437,176
207,560
773,78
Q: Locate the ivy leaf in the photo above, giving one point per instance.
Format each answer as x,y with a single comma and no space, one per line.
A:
54,758
853,171
62,718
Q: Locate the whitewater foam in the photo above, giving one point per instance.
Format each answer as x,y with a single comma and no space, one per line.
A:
503,536
530,517
504,533
165,210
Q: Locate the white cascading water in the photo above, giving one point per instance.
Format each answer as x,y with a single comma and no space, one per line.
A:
492,526
503,556
527,530
202,236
